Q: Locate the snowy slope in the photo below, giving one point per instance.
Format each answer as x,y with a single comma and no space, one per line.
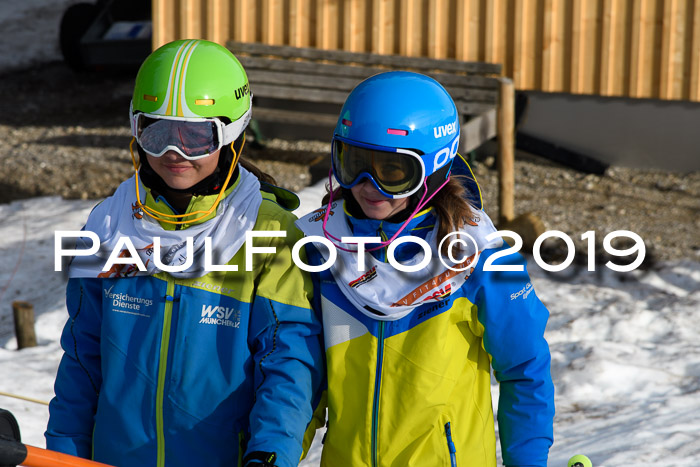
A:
625,346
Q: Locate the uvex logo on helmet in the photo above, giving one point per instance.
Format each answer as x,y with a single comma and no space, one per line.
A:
445,130
242,91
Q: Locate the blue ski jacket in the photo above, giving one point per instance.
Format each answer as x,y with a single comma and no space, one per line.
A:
417,390
183,372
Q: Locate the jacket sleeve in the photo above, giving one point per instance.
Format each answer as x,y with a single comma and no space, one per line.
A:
78,381
514,321
285,339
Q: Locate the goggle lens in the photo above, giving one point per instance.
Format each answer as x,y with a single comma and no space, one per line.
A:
192,139
394,172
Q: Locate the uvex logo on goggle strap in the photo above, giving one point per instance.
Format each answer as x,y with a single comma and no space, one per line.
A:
242,91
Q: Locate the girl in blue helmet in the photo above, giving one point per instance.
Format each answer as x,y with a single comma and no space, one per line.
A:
413,324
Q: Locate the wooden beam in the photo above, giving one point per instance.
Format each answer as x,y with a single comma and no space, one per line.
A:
355,19
438,27
506,151
218,25
694,78
328,24
342,56
163,18
244,20
552,56
299,21
383,29
273,22
577,47
668,45
495,31
410,32
23,313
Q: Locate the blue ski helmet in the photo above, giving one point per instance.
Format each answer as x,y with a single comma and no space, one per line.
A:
395,130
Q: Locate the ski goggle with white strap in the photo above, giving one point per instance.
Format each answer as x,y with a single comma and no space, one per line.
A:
192,138
395,172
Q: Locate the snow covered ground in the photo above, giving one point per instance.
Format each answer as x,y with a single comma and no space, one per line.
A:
625,346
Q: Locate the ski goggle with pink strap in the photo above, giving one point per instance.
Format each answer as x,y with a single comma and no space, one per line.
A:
395,172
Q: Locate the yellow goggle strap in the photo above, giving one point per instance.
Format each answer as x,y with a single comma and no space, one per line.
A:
165,217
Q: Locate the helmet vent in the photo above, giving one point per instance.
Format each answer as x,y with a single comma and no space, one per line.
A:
346,122
150,98
394,131
204,102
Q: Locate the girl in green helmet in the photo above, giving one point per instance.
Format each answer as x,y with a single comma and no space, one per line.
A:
183,353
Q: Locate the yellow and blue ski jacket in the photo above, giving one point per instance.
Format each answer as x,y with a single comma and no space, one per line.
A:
183,372
416,391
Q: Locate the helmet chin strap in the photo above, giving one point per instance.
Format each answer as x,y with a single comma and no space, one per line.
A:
180,218
421,205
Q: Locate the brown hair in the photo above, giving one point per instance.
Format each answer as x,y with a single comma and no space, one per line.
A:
450,203
252,168
451,208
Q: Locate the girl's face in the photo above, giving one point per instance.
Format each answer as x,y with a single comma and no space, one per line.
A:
374,204
180,173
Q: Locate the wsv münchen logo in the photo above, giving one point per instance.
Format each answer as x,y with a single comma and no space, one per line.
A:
220,316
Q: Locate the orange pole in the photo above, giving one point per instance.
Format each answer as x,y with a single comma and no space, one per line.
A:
37,457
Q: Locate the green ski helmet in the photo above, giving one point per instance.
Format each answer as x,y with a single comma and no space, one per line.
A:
193,81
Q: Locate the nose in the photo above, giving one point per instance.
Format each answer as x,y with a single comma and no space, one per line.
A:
173,156
368,188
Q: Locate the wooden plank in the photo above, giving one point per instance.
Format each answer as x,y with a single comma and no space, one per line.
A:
495,31
294,116
273,21
328,24
506,152
299,21
355,18
244,20
476,131
524,44
467,37
359,72
300,80
294,93
438,27
638,30
550,41
164,29
667,48
608,46
410,31
217,15
191,18
292,84
338,97
694,78
365,58
383,29
591,56
577,45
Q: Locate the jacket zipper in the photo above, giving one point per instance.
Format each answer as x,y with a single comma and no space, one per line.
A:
377,387
383,236
162,369
451,445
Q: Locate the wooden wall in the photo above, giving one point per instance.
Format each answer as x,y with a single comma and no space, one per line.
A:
633,48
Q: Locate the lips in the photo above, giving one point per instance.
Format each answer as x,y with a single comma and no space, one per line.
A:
178,169
374,202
